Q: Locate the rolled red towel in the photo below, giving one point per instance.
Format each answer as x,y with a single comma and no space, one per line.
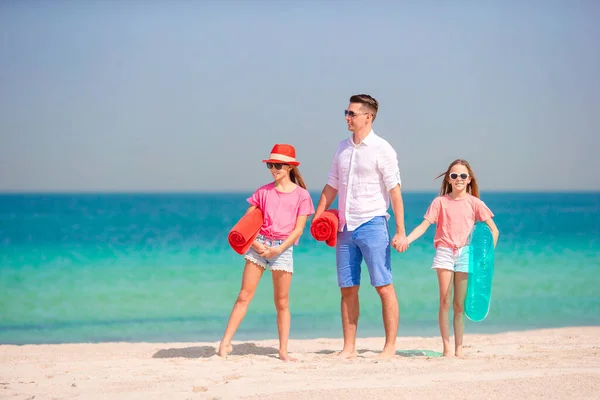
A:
325,227
245,231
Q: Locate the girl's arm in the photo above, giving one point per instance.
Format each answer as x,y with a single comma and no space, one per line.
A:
251,208
296,233
418,231
495,232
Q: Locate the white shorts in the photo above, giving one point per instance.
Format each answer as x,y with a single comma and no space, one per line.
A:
282,262
452,260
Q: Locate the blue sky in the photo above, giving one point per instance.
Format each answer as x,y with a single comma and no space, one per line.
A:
191,95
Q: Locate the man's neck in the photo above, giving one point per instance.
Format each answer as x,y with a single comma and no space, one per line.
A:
359,136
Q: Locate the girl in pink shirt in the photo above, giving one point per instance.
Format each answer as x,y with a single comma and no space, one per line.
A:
454,212
286,205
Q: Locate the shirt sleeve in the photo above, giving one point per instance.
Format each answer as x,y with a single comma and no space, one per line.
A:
333,179
306,204
254,200
388,167
433,211
482,212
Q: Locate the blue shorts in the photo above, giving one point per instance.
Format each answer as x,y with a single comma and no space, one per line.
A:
370,241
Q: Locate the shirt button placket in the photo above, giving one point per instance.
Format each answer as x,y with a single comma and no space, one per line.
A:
350,180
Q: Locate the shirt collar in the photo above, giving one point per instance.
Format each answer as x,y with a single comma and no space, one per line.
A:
366,141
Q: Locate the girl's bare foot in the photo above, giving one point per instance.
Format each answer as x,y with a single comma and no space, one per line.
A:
447,354
224,349
460,354
286,357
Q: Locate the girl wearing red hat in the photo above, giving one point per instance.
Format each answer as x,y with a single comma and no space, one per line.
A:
286,205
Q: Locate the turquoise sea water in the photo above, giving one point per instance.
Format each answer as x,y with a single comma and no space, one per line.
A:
157,267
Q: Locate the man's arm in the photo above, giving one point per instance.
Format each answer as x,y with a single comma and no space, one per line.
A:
399,242
330,190
327,196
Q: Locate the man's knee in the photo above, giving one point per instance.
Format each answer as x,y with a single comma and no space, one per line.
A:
386,291
349,292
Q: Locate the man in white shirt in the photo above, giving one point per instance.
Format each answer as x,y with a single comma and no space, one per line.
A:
365,174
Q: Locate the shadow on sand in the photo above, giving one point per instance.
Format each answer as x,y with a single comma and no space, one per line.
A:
209,351
400,353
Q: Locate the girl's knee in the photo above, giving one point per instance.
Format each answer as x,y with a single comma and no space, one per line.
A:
282,303
445,304
244,297
458,307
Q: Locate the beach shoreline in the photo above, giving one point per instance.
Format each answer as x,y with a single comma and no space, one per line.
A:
549,363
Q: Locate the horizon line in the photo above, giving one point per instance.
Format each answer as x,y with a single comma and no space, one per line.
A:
240,191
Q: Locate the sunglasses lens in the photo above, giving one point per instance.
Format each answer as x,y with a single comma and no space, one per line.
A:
273,165
464,176
453,176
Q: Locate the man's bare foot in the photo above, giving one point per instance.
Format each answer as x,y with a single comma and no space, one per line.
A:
387,353
346,355
224,350
286,357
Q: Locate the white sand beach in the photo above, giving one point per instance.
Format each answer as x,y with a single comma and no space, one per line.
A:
549,364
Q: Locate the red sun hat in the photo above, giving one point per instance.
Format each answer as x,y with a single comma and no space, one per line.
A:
283,154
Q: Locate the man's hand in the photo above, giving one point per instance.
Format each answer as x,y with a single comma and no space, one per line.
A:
400,242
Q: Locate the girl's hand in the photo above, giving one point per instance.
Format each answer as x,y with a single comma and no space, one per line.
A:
270,252
400,243
259,247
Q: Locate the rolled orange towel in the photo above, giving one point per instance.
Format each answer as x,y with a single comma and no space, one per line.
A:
245,231
325,227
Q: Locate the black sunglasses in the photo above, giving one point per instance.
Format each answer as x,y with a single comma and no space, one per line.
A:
277,166
352,114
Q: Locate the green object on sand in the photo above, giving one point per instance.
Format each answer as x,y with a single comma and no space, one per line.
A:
481,273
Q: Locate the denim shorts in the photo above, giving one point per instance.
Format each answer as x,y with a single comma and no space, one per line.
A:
452,260
282,262
370,241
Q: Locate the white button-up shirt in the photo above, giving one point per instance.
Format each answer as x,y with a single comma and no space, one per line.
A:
363,175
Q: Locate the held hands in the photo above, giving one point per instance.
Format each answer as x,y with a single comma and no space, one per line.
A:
270,252
267,251
400,242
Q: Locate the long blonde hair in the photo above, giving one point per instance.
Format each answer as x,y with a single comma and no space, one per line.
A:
296,177
472,187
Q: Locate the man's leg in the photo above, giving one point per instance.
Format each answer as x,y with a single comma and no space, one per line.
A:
373,239
350,311
391,315
348,260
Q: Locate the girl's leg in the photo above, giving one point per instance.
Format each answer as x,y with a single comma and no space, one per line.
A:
445,286
281,289
460,292
250,279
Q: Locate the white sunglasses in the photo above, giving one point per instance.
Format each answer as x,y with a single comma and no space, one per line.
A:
454,176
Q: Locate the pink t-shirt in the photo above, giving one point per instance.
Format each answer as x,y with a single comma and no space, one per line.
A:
454,219
280,210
